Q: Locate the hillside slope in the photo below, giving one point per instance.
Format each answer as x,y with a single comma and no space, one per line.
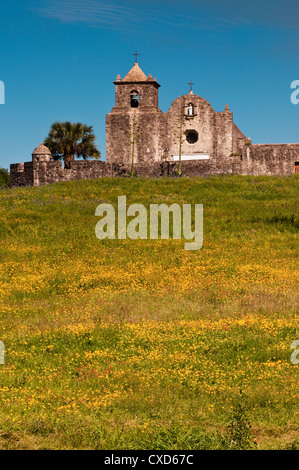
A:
139,343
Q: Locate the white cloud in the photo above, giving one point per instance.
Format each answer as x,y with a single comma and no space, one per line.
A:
88,11
211,15
128,14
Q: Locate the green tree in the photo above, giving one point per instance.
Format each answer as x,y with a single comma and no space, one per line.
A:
67,140
4,178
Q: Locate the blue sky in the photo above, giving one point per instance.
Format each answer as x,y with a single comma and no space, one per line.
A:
58,59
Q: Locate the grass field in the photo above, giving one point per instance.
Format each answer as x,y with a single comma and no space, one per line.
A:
141,344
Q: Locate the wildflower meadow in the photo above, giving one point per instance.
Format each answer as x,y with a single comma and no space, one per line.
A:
140,344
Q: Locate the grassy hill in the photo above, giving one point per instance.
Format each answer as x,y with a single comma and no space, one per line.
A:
122,344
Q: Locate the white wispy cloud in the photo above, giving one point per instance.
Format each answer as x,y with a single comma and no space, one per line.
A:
126,14
86,11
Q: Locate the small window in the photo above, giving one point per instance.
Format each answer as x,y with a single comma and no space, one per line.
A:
134,99
191,137
297,167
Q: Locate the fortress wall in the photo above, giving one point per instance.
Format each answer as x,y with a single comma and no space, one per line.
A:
266,159
54,172
21,174
270,159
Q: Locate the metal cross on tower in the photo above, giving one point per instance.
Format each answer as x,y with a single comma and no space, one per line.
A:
136,56
191,83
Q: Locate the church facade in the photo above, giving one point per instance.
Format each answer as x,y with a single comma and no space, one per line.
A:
140,135
191,128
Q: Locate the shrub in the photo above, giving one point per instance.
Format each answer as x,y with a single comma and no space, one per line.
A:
240,436
4,178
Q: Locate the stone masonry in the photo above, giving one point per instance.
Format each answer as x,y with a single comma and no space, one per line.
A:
138,131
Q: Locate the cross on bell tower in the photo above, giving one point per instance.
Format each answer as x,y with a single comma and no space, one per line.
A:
136,56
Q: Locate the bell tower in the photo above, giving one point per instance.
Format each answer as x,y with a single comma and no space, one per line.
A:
136,100
136,91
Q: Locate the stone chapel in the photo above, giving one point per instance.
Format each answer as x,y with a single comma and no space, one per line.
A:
204,134
207,142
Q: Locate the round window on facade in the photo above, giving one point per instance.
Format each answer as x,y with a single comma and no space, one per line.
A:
191,137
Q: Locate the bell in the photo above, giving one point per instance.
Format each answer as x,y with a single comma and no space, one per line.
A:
134,99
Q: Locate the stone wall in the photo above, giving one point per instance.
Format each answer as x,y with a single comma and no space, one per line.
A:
39,174
276,159
21,174
271,159
151,143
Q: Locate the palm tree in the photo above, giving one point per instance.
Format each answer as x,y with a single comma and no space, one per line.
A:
67,140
